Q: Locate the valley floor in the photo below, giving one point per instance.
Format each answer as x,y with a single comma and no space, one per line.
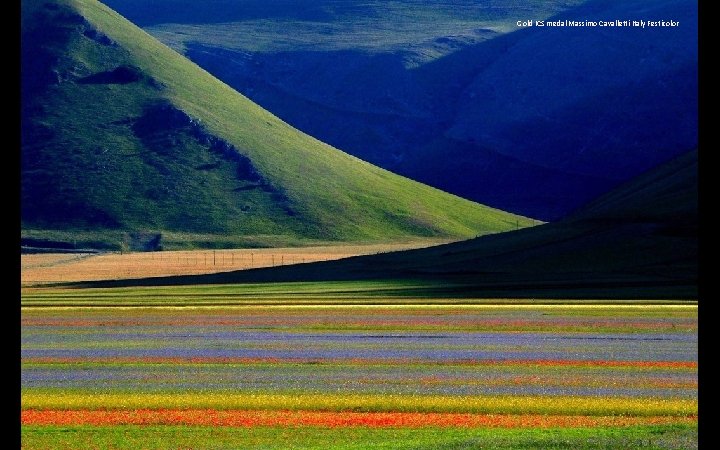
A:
300,366
63,267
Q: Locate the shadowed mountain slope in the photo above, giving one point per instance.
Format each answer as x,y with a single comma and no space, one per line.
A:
452,92
638,241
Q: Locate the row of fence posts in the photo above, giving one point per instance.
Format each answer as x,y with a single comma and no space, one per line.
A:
222,260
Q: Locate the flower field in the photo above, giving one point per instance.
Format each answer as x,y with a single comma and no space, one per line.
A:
358,376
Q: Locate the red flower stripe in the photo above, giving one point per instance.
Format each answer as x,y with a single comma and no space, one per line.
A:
329,419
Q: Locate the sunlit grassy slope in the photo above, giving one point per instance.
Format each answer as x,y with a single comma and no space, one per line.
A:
122,133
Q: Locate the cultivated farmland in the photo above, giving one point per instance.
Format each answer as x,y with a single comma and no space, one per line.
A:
63,267
333,375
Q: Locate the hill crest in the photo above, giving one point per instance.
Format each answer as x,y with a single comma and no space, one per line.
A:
122,133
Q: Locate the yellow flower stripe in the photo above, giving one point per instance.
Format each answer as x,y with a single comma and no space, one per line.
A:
501,404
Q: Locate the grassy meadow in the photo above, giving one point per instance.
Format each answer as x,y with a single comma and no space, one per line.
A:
164,437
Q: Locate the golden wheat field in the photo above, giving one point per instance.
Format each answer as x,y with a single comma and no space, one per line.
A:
62,267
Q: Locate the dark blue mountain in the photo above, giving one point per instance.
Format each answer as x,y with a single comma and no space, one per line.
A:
539,120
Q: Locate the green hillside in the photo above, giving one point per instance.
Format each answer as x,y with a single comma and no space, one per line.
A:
121,134
638,241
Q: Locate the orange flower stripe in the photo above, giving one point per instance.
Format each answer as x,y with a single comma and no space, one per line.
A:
234,418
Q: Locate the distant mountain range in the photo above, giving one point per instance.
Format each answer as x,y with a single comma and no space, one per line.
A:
534,120
121,134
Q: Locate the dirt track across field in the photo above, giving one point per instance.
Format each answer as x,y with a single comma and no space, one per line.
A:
57,267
